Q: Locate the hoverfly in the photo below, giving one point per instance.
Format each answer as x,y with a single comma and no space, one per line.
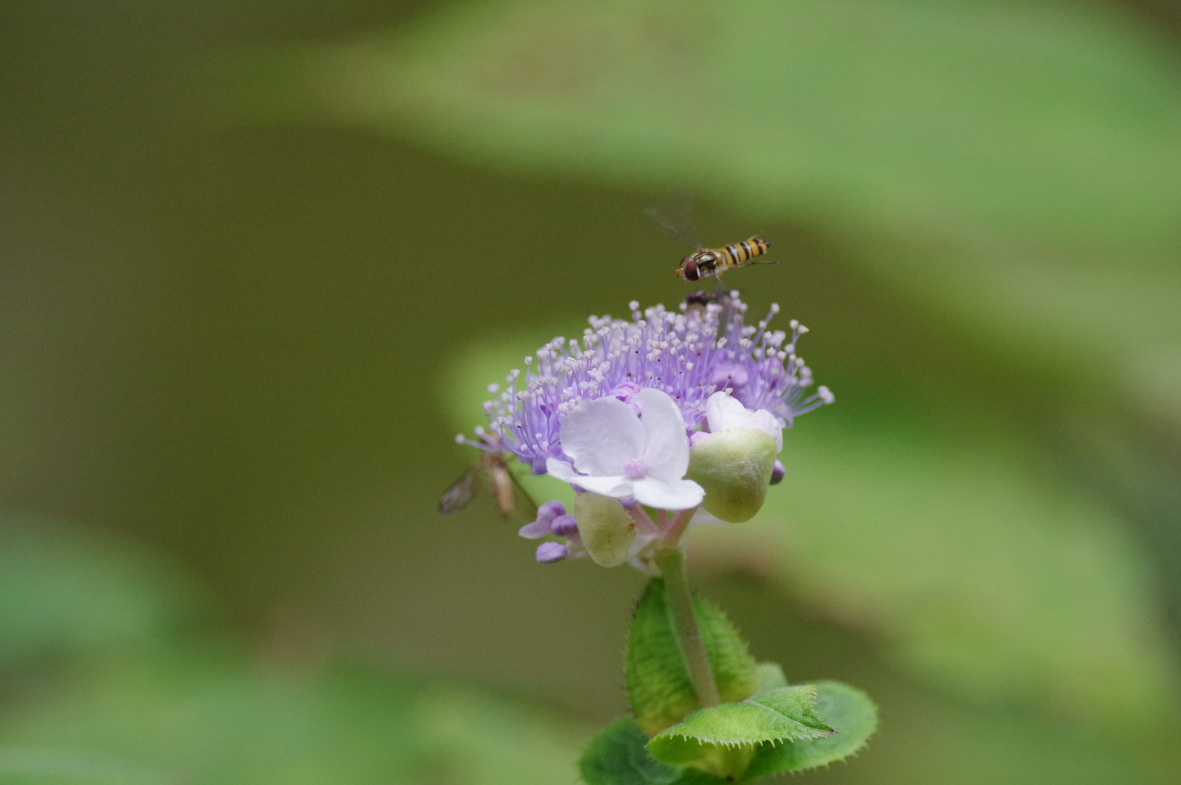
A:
675,220
492,470
713,262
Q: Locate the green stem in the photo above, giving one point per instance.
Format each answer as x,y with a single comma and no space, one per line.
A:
680,602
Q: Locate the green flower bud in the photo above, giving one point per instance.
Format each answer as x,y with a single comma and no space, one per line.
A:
734,466
607,529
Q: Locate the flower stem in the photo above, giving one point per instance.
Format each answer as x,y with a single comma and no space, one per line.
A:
673,532
680,602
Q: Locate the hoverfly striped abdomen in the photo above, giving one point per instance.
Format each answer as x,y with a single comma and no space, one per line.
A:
747,249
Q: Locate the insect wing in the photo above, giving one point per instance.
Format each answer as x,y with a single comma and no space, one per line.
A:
461,492
511,497
675,218
490,472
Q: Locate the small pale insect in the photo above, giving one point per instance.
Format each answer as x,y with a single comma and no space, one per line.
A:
700,299
700,303
491,472
714,262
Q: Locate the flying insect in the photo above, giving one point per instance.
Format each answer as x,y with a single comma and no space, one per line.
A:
491,472
714,262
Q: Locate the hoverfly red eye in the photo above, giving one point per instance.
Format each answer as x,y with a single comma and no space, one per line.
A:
689,270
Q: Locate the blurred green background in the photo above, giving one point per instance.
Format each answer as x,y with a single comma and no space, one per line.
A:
258,262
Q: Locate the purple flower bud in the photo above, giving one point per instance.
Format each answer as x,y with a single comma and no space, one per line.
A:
565,526
551,510
777,472
549,552
546,514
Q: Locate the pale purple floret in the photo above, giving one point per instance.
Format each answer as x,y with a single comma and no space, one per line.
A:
551,552
546,515
565,526
688,354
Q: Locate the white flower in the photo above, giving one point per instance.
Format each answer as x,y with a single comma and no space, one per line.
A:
726,413
620,454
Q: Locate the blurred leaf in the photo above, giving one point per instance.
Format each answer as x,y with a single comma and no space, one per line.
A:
982,568
48,766
64,589
481,740
205,715
1015,163
152,707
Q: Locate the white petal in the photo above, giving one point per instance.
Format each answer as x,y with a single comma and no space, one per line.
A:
720,408
725,413
615,486
560,469
602,436
668,495
666,450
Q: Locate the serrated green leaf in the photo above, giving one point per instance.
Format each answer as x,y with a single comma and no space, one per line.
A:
786,714
659,688
853,717
735,671
618,756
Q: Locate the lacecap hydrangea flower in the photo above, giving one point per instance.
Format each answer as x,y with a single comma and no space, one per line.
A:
650,419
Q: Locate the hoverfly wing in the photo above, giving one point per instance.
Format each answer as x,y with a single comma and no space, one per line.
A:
675,218
461,492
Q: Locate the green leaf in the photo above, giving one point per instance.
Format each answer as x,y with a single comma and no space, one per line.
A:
619,756
129,688
853,717
210,715
67,589
786,714
481,739
659,688
771,677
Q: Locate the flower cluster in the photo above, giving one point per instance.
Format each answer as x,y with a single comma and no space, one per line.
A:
665,410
